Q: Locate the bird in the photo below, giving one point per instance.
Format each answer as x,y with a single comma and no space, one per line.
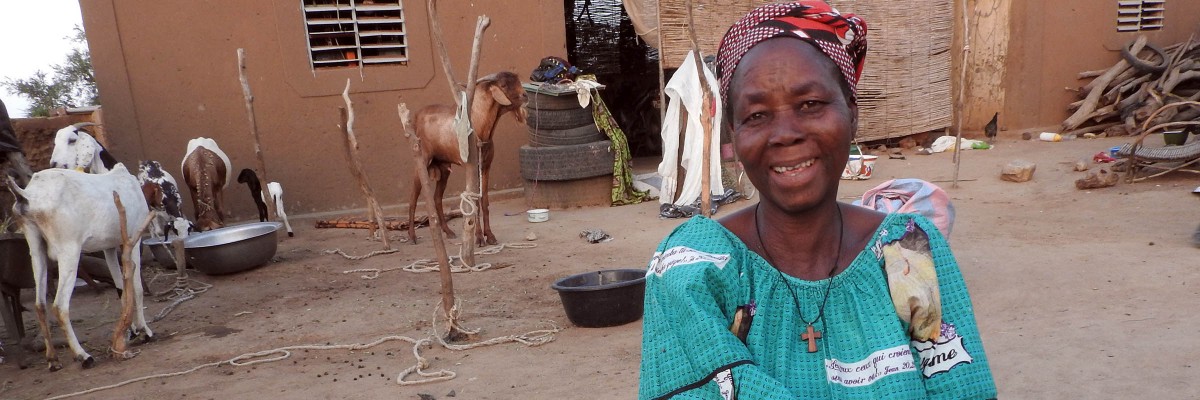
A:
912,281
990,129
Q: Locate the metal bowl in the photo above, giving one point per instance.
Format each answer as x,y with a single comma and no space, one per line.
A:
162,251
233,248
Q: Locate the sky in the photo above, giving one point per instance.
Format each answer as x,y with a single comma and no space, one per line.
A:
33,36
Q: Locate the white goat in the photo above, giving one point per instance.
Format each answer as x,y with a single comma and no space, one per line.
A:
277,196
76,149
65,213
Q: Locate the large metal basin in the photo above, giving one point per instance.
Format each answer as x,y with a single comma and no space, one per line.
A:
233,248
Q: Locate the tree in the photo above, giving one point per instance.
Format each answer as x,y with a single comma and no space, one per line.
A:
71,85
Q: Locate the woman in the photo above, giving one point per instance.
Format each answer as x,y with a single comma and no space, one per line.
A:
800,296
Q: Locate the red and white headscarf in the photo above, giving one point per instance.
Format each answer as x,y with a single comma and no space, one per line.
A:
842,37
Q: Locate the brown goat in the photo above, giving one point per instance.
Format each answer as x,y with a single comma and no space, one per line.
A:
495,95
206,173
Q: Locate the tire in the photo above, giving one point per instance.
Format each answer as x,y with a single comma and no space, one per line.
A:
559,119
538,102
1143,66
565,137
564,163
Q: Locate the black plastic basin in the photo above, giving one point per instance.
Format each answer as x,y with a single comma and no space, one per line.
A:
603,298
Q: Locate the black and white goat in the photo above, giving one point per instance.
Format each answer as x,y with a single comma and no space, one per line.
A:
162,195
274,190
66,213
76,149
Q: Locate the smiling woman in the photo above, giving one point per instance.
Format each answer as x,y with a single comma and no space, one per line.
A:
45,30
801,296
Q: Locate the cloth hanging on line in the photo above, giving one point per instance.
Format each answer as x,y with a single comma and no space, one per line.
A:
462,128
685,93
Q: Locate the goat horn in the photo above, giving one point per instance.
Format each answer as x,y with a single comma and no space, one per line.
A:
488,78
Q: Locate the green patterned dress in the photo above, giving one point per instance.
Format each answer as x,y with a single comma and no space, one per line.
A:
702,273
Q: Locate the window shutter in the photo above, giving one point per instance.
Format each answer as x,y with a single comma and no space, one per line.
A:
1140,15
354,33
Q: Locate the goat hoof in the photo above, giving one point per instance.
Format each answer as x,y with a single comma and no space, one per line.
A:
89,362
147,339
54,365
290,234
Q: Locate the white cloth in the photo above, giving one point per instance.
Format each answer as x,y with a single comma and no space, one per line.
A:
684,89
947,142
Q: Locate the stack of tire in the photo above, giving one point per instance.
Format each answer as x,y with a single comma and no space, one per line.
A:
568,161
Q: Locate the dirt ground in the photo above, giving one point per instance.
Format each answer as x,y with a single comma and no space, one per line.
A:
1078,294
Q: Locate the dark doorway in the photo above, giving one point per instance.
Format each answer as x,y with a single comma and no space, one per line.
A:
601,40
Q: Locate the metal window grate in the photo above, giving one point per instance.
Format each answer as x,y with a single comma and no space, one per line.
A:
1140,15
355,33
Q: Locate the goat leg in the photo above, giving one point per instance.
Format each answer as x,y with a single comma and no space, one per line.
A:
442,171
412,202
37,249
484,234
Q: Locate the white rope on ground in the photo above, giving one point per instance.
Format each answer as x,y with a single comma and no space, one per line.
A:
430,265
182,291
531,339
356,258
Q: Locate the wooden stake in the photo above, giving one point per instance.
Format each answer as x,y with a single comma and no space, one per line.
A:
119,345
435,226
258,154
471,223
706,117
374,212
962,87
455,87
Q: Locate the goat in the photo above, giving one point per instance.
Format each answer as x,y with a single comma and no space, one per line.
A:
206,170
76,149
67,212
495,95
274,189
162,194
11,153
248,177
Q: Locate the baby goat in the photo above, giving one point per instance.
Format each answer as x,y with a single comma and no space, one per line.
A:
248,177
65,213
162,194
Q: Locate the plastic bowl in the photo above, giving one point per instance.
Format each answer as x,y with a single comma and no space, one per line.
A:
603,298
233,248
538,215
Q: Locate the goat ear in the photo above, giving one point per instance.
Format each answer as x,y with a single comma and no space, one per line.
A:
499,96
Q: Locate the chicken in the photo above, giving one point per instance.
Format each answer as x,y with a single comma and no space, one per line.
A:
913,283
989,130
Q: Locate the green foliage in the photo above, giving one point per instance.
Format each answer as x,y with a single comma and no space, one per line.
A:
71,85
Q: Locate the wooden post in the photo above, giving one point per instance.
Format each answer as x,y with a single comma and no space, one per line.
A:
471,223
258,154
435,225
374,212
127,241
706,116
962,83
455,87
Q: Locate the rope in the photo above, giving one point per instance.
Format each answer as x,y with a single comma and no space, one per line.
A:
530,339
467,202
356,258
182,291
456,263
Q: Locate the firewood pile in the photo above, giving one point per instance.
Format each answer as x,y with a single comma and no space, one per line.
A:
1121,98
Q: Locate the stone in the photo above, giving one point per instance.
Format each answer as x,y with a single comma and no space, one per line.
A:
1018,171
1081,165
908,143
1027,135
530,236
1100,178
1088,135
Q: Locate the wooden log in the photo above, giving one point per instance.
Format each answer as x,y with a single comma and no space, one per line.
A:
455,87
962,83
119,345
1092,128
471,224
706,117
374,211
390,223
1091,74
1097,88
258,153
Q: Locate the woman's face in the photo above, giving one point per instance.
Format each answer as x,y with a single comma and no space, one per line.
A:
792,124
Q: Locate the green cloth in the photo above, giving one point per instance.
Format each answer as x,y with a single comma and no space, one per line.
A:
702,272
623,192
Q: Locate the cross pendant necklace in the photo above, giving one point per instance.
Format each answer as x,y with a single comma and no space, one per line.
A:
811,335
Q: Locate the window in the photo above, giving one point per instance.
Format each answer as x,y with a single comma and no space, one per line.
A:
355,33
1139,15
